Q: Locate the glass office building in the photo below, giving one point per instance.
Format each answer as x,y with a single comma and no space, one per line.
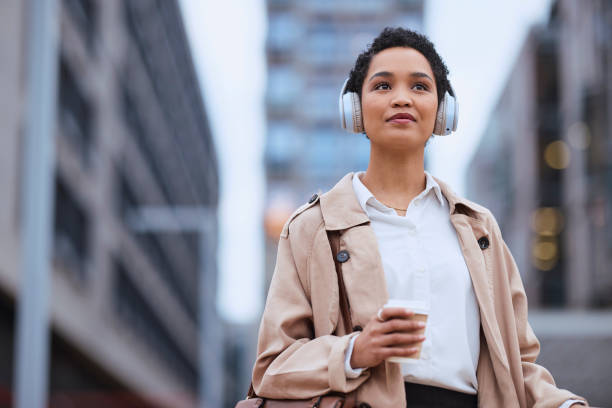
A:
311,48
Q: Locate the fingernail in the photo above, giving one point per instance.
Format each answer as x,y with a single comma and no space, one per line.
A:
421,324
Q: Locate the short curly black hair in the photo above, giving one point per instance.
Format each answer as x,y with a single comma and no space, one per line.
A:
400,37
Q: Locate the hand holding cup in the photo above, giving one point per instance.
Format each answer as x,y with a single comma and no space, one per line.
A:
396,332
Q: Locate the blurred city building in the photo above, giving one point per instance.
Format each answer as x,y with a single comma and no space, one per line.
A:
544,153
311,47
240,351
131,134
543,168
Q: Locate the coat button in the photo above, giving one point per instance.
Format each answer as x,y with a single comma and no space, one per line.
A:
483,243
313,198
364,405
342,256
357,328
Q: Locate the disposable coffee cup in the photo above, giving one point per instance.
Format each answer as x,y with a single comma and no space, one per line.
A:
421,312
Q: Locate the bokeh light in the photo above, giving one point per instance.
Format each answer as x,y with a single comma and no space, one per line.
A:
547,221
557,155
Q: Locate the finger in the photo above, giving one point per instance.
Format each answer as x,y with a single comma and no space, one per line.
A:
401,325
395,312
401,340
399,352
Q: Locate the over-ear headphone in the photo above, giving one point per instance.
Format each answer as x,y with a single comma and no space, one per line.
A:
351,119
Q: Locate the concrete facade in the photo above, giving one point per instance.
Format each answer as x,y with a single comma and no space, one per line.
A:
131,132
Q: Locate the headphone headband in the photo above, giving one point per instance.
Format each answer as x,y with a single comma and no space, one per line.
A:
340,105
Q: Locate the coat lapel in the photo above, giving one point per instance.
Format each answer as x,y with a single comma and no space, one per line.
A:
468,220
363,273
469,230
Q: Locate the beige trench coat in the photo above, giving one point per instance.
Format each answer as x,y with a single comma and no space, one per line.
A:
301,350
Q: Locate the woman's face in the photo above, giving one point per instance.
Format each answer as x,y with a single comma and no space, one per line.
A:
399,99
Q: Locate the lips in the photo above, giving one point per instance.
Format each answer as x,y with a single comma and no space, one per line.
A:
402,118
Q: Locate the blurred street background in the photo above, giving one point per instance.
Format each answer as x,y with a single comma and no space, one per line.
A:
151,151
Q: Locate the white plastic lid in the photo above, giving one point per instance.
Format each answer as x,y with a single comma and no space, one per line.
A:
417,306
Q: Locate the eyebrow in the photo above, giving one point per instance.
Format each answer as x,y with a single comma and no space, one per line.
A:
389,74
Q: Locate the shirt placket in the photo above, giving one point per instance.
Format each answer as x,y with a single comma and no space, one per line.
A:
420,278
421,288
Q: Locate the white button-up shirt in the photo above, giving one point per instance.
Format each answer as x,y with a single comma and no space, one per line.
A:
423,261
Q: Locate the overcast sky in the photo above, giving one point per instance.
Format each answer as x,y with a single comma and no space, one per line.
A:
478,39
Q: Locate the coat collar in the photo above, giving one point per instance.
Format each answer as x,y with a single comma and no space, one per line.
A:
341,208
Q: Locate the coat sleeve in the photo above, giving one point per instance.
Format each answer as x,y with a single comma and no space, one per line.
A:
291,363
540,388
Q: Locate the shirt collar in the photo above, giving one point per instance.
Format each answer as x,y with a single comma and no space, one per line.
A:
364,196
341,210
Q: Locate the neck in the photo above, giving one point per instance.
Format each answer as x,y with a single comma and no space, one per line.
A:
395,178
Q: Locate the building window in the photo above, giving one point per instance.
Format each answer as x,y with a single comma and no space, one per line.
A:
158,255
284,31
347,6
552,272
150,244
75,115
323,45
331,44
284,86
71,231
322,158
139,136
126,198
283,143
137,314
321,103
84,13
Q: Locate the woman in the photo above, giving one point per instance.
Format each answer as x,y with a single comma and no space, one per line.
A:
404,235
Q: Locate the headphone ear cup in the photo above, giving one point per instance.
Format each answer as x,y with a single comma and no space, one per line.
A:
357,118
350,112
447,116
440,118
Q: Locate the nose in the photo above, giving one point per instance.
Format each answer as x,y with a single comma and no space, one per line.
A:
401,97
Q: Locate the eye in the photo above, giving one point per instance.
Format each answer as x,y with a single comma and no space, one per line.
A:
382,85
420,86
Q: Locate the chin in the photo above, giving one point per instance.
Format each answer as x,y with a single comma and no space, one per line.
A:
401,140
